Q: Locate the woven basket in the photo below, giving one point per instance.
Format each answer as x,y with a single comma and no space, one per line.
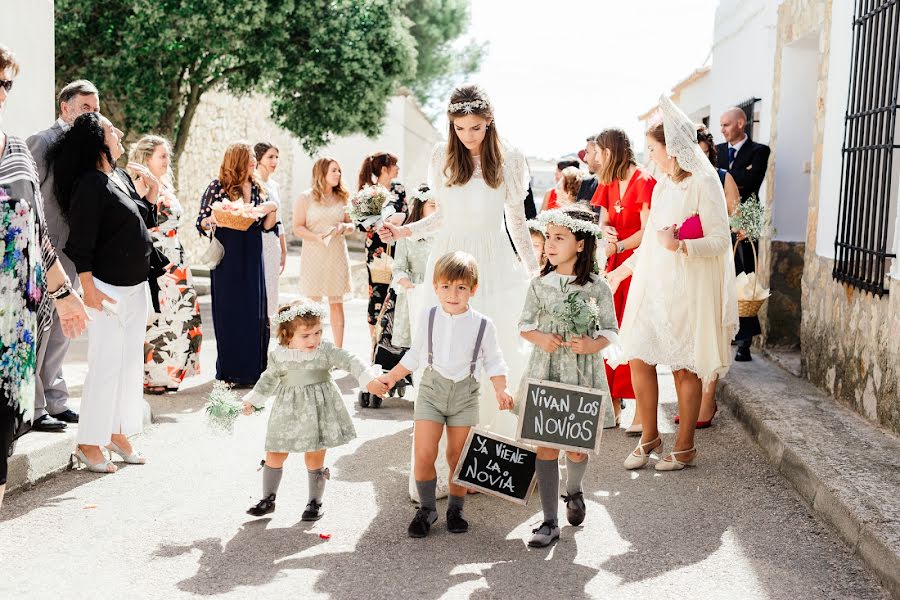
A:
381,268
750,308
230,220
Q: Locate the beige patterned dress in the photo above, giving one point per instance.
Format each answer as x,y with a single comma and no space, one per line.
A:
324,268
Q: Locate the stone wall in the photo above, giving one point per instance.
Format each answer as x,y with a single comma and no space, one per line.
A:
848,339
221,119
782,311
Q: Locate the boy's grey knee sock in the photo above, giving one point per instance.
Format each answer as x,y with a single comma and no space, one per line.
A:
548,486
271,480
574,475
317,481
427,492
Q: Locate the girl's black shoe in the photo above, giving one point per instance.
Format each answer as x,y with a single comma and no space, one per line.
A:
455,521
313,511
263,507
421,523
575,508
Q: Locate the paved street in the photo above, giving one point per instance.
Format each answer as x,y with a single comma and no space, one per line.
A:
176,528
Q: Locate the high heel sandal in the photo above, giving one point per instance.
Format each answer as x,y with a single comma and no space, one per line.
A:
135,458
700,424
105,466
639,460
670,463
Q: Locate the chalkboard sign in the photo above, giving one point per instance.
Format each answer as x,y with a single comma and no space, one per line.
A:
496,465
557,415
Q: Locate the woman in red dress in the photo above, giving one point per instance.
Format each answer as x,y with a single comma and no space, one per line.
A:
624,197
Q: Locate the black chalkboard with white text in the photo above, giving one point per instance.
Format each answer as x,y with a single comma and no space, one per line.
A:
496,465
556,415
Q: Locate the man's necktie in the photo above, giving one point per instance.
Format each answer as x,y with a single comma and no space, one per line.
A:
731,154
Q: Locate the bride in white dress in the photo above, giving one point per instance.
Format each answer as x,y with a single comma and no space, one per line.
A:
477,181
479,186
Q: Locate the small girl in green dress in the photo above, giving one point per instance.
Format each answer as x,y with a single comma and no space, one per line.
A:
571,239
308,414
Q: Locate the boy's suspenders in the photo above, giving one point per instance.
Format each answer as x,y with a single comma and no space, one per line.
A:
478,340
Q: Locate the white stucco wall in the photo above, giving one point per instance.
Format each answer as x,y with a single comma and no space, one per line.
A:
694,99
26,27
833,137
743,60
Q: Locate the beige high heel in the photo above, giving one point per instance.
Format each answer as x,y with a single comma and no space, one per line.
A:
641,455
105,466
135,458
670,463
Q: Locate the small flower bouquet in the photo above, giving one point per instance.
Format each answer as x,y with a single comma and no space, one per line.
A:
223,408
235,214
577,316
754,219
370,206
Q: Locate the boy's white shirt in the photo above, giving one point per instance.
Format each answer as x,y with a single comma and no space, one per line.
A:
453,345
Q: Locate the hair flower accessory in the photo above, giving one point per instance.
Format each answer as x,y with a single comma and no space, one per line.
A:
535,225
423,194
467,107
301,308
560,217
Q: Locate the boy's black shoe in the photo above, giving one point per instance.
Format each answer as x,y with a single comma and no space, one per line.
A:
263,507
313,511
455,521
743,354
575,508
421,523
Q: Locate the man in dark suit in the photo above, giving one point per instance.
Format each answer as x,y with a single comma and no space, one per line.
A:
591,158
51,412
747,162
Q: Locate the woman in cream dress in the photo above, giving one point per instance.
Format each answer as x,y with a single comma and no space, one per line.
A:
682,306
321,220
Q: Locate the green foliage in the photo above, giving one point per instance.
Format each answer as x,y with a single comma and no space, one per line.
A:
329,65
753,218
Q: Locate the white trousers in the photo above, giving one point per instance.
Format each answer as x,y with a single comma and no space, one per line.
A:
113,396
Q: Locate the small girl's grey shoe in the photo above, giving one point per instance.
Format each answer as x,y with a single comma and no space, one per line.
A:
544,535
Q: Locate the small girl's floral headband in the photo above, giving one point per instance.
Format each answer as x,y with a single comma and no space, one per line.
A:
560,217
303,308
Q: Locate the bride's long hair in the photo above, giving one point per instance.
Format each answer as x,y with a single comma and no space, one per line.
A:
459,166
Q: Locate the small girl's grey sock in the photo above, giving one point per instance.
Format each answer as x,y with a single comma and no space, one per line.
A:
271,480
317,480
427,492
574,475
548,486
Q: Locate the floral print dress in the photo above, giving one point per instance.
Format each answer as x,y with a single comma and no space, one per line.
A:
308,412
172,345
410,260
379,293
562,365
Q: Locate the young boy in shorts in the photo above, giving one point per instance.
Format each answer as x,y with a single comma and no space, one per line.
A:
457,346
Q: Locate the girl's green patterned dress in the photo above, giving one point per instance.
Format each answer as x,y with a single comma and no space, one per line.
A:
562,365
308,413
410,260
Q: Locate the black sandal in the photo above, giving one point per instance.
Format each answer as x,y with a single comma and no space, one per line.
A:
263,507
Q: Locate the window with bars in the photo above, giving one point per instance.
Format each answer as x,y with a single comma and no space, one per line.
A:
864,211
748,106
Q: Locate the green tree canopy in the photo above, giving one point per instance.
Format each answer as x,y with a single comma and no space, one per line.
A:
328,65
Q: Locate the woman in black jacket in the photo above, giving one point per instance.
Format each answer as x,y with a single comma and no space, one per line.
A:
114,256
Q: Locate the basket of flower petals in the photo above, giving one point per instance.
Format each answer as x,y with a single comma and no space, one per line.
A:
235,214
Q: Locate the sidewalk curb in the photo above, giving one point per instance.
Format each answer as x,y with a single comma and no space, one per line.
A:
38,458
778,409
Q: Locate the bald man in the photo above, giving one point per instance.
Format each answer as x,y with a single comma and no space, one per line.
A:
747,162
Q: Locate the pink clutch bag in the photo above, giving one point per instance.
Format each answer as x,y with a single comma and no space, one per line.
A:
691,229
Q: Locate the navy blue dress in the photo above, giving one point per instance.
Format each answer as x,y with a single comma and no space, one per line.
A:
238,296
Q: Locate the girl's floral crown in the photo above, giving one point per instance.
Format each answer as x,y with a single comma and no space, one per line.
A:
468,107
422,195
560,217
303,308
535,225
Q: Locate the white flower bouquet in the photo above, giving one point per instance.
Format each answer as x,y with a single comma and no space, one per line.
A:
223,408
370,206
577,316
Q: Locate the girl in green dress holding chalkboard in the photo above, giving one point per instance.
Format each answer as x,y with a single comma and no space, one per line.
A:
570,317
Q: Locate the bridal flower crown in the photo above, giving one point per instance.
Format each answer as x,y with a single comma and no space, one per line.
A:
559,217
467,107
302,308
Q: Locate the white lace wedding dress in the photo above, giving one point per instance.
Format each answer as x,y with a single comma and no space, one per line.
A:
470,218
